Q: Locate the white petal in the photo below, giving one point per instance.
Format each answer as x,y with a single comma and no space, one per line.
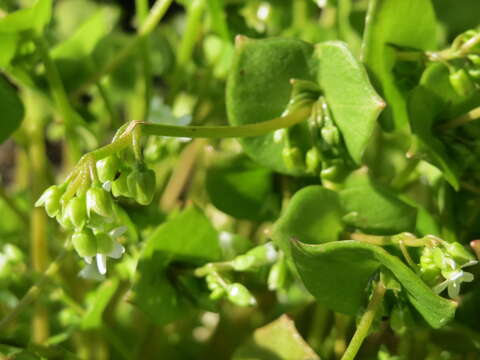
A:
440,287
117,251
470,263
87,259
467,277
91,272
454,289
455,275
107,185
102,263
117,232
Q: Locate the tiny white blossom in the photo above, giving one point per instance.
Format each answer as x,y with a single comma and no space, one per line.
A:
454,279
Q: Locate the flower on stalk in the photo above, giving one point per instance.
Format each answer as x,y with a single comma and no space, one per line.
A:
454,278
106,245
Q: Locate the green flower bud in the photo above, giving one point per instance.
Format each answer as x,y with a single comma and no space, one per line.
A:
51,200
85,243
76,211
120,186
277,275
105,243
239,295
461,82
141,184
217,293
258,256
99,201
459,253
292,157
107,168
474,74
243,262
313,160
439,258
64,220
212,282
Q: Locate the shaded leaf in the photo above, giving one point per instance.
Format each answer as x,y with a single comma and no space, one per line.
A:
374,208
278,340
93,316
188,238
242,189
259,89
11,108
406,23
337,274
352,99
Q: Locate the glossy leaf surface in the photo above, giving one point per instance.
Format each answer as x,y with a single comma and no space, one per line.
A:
337,274
11,108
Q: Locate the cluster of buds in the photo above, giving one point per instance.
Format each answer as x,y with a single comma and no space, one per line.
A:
327,155
84,206
465,65
442,267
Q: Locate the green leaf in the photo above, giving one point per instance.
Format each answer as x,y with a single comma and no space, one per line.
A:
242,189
337,274
406,23
259,89
186,238
352,99
33,18
102,296
313,215
11,108
374,208
8,47
278,340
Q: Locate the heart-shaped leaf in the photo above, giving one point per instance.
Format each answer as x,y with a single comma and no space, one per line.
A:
406,23
259,89
352,99
337,274
278,340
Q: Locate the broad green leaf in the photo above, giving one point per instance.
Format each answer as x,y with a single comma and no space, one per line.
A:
186,238
405,23
278,340
8,46
337,274
11,108
374,208
313,215
102,296
259,89
33,18
352,99
242,189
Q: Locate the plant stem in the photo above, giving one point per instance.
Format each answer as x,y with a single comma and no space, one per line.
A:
461,120
368,42
34,291
365,323
194,17
219,23
406,238
157,12
61,99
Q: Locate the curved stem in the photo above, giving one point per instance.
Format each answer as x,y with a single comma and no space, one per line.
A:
365,323
194,18
461,120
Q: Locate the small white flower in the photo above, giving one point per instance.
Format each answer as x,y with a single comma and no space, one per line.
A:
454,279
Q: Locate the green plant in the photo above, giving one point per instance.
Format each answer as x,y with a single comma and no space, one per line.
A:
342,187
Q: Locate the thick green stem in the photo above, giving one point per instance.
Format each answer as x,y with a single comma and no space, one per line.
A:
156,14
219,22
365,323
21,215
194,18
62,102
461,120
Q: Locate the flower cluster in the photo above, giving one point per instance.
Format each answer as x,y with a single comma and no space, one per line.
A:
442,267
90,212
